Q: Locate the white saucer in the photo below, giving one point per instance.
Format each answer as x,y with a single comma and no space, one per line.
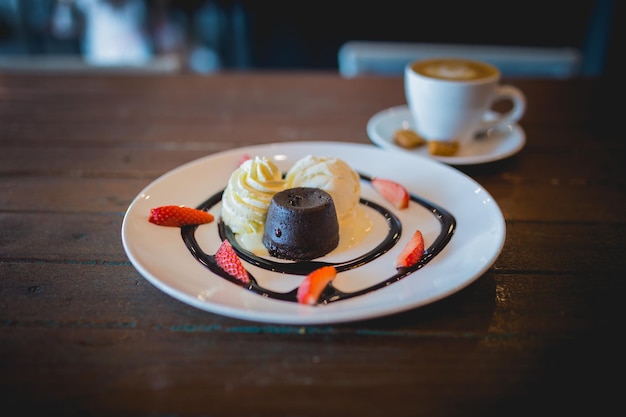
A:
495,145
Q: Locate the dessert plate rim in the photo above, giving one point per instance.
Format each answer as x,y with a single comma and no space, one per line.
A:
161,257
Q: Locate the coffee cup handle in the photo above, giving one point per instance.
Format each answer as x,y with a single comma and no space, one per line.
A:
518,100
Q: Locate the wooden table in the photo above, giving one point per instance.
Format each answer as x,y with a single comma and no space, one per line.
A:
83,333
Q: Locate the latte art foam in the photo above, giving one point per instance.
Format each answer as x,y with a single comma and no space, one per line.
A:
450,71
454,69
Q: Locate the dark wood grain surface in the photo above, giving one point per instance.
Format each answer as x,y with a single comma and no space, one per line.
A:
82,333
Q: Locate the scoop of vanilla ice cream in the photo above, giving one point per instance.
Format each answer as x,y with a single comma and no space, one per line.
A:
332,175
248,194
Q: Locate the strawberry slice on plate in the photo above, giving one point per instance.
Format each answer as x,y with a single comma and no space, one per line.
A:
392,191
178,216
313,284
243,159
227,259
412,252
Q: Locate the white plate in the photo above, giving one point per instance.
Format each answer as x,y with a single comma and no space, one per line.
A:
495,145
162,257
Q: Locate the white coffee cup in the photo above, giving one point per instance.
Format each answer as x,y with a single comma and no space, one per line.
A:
451,99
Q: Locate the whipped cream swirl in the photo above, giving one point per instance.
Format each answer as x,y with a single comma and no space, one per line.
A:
247,197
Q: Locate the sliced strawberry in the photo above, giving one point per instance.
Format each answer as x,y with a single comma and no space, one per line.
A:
227,259
393,192
311,288
244,158
177,216
412,252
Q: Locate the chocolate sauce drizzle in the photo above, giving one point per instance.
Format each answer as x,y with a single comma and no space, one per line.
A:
330,294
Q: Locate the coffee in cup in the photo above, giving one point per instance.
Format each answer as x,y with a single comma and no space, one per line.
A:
451,99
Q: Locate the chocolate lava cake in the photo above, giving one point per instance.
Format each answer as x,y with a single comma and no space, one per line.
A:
301,224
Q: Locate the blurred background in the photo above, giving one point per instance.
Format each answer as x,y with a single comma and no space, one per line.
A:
205,36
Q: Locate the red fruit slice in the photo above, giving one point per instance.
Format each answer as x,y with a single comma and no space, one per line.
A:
177,216
393,192
311,288
412,252
227,259
244,158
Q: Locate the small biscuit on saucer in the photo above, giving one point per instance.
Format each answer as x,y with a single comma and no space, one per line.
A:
440,148
408,139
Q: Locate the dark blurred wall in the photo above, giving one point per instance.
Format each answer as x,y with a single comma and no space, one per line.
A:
308,34
299,34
